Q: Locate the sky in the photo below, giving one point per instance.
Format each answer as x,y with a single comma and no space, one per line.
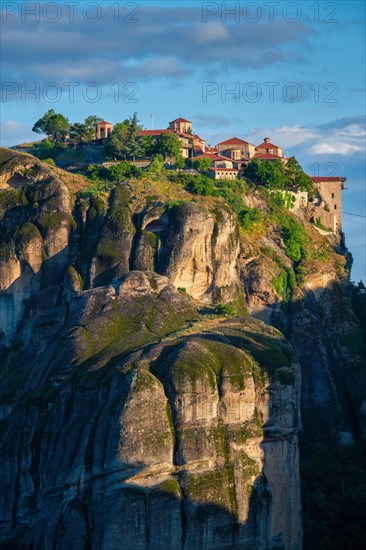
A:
293,71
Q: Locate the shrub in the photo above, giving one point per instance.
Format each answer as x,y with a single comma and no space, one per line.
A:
97,172
118,172
250,218
300,275
319,224
50,162
200,185
202,164
284,283
225,309
294,236
157,165
45,149
123,170
279,175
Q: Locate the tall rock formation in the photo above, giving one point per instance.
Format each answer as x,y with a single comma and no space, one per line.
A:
131,415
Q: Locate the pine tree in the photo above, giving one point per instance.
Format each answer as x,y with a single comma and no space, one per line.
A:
54,125
135,144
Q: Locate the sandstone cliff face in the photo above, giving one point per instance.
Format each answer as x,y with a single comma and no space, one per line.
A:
51,240
35,218
186,443
128,420
199,252
322,328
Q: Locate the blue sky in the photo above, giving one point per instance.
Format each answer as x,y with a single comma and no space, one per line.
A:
294,71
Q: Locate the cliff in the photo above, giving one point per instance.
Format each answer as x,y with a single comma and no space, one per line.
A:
134,413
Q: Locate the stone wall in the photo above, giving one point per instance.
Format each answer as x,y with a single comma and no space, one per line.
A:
244,148
331,195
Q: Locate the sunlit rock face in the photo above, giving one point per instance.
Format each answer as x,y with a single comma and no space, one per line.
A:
124,421
183,443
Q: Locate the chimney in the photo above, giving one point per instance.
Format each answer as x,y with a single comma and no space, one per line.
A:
267,140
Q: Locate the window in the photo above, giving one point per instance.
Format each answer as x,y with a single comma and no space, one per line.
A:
332,195
335,207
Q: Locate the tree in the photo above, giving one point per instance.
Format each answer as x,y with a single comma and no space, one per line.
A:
134,145
273,174
44,149
179,162
199,185
202,164
57,127
124,170
40,126
169,145
54,125
254,171
279,175
97,172
85,132
295,177
157,165
126,141
116,142
149,146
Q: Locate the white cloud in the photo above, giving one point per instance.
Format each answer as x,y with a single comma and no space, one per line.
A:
289,136
335,147
340,137
13,133
212,32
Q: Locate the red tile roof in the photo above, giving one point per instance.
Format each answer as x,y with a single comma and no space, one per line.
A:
264,156
104,122
268,145
327,178
214,156
181,120
153,132
156,133
233,141
182,134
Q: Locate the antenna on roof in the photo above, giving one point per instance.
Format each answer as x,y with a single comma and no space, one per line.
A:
152,116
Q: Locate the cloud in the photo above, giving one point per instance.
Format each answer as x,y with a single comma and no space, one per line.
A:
11,133
285,136
212,121
334,146
166,43
344,136
213,32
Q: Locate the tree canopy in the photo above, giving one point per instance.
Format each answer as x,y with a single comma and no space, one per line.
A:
118,172
84,132
169,145
157,165
54,125
135,145
202,164
115,145
279,175
125,141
